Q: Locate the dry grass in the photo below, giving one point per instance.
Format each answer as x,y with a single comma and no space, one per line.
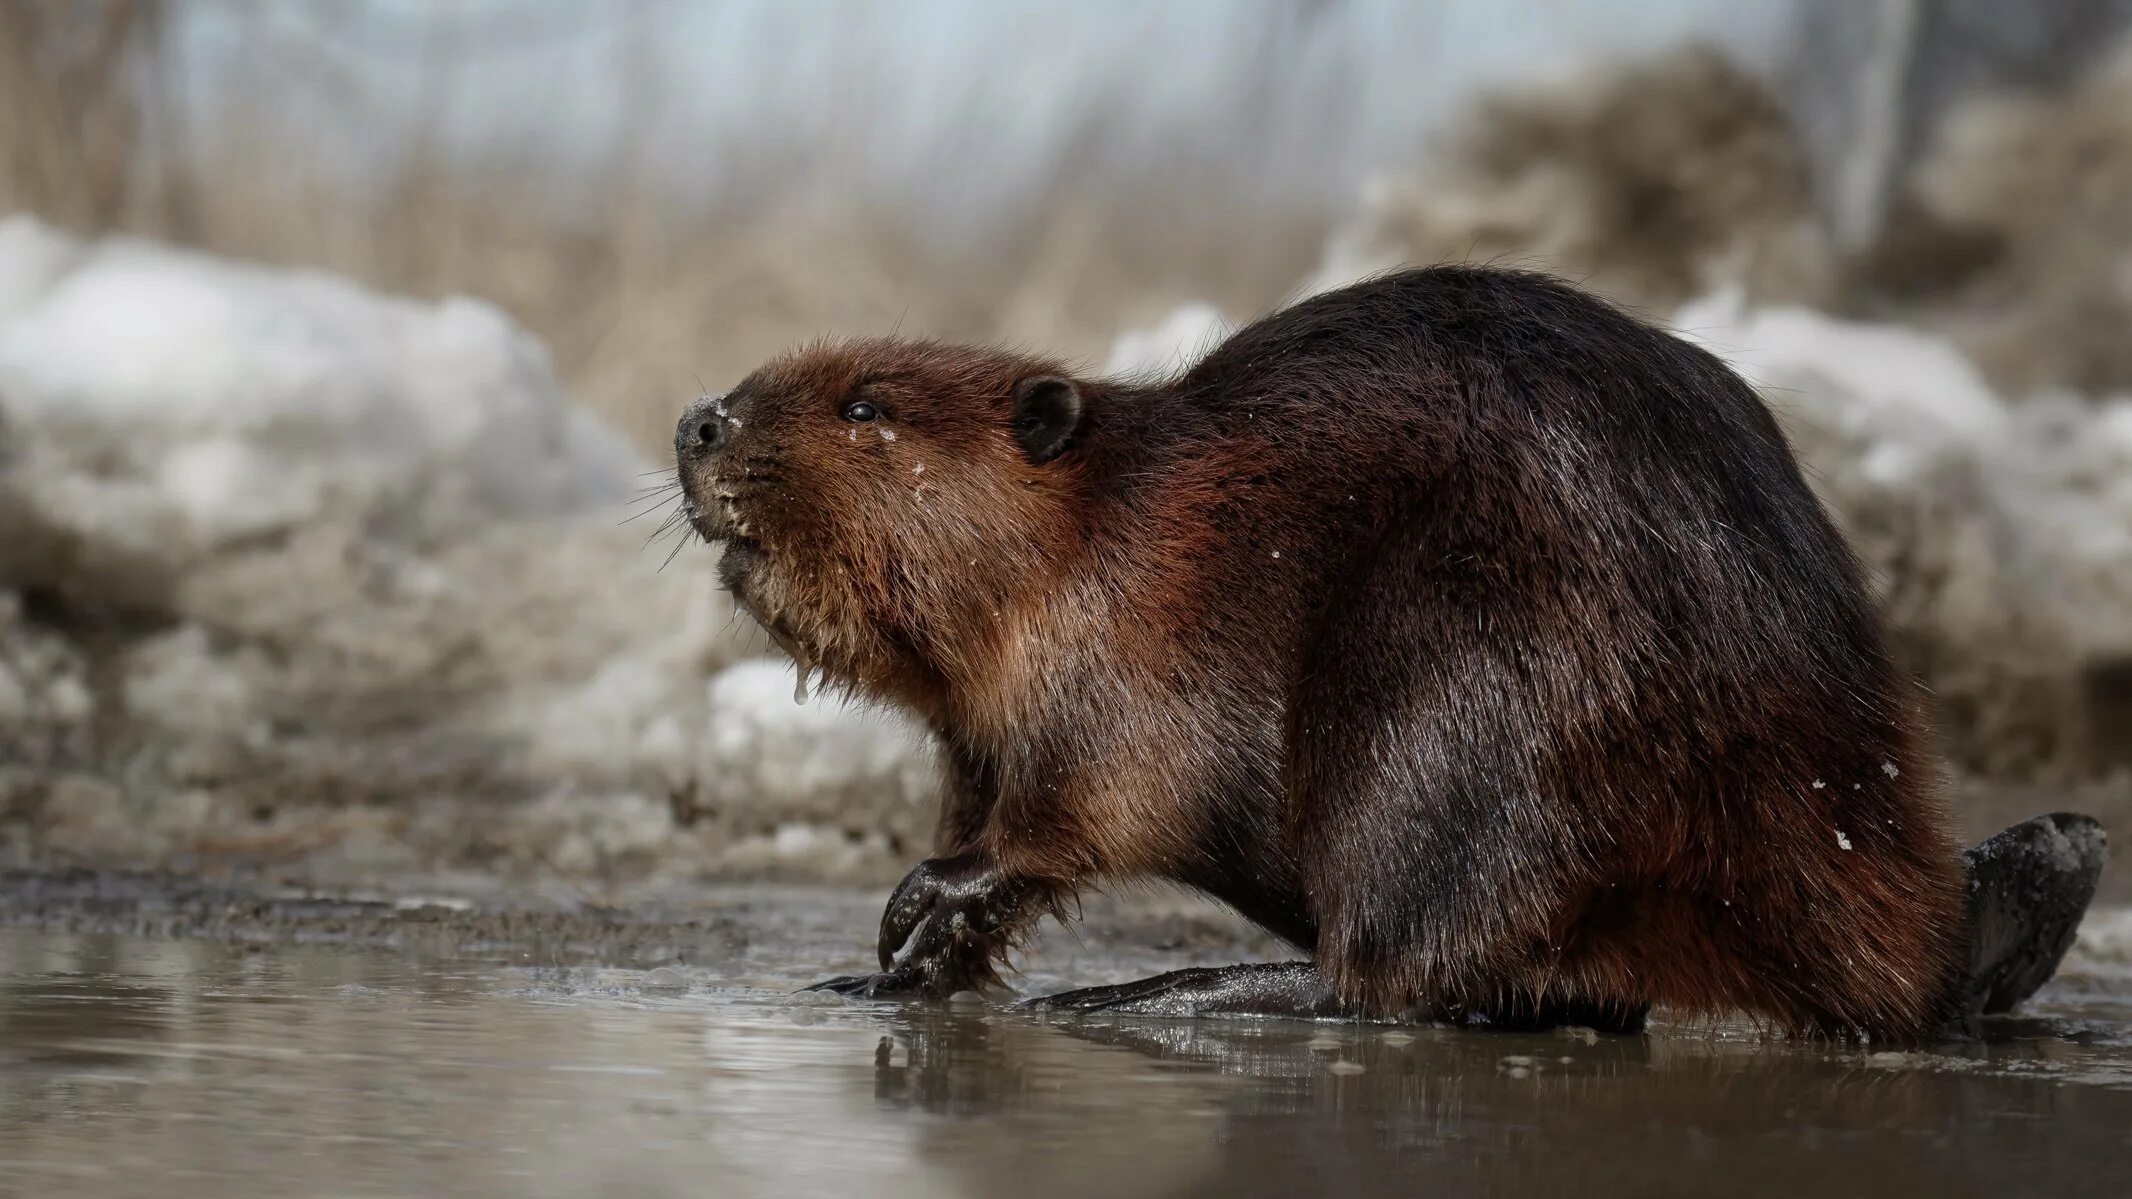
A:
2041,185
70,106
641,304
637,297
1651,181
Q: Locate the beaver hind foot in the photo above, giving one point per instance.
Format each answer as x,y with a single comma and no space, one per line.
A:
1281,990
1298,991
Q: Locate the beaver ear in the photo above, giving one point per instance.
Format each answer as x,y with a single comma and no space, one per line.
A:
1047,411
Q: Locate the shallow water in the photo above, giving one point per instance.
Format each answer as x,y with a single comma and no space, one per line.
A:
132,1066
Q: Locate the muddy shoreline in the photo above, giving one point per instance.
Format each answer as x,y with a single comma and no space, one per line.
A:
756,929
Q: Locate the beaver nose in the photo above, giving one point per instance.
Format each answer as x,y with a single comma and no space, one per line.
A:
704,427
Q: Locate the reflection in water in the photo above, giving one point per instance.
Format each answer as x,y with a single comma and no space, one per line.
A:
130,1067
1280,1108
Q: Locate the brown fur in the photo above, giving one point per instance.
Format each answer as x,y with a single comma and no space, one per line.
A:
1454,626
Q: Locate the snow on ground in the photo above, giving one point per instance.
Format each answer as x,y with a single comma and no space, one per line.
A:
289,566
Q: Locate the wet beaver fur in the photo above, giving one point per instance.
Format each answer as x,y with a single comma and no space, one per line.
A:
1466,632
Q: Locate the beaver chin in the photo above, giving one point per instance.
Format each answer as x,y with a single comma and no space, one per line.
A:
716,522
710,513
740,570
743,556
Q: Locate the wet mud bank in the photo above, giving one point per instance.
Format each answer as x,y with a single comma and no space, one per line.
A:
762,929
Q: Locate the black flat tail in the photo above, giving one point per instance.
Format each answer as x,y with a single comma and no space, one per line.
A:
2028,889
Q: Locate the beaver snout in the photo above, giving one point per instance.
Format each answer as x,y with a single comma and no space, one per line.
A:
704,428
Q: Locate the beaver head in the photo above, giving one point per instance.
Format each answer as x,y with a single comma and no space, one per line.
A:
884,504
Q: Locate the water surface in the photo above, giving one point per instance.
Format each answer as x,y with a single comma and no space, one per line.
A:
174,1068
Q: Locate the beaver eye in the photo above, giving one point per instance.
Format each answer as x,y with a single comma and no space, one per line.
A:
861,410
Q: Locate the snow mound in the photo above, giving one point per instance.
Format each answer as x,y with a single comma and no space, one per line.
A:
292,570
165,406
2000,535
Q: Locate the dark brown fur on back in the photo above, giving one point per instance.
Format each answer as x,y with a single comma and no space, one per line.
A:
1455,626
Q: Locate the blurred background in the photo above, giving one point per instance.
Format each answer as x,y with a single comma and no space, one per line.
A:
335,339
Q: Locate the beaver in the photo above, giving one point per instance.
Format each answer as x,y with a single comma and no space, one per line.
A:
1461,629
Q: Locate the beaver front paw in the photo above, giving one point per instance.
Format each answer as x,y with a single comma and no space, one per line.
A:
945,926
